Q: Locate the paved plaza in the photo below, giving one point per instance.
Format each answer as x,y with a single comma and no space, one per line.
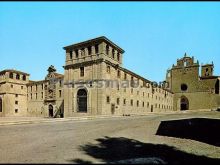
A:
101,140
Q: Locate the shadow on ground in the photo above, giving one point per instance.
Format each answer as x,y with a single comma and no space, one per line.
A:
200,129
128,151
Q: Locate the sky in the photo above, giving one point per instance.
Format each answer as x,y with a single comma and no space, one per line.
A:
153,34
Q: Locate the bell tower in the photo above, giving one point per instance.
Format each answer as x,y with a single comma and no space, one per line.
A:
207,70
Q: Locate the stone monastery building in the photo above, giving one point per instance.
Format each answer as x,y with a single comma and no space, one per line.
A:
95,83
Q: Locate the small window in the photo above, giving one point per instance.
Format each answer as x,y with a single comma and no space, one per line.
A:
12,86
77,53
42,95
16,102
89,50
36,87
22,87
16,110
24,78
1,104
60,93
125,76
118,56
31,96
143,104
71,54
96,49
131,102
16,95
81,71
107,49
137,103
113,53
60,82
11,75
108,99
36,95
118,101
124,101
42,86
108,69
17,76
119,74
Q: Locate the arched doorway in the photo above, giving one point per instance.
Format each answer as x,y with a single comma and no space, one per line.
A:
82,100
50,110
184,103
1,104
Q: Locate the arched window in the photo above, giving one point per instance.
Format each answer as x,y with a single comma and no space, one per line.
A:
71,55
113,53
118,56
77,53
0,104
24,77
11,75
96,48
17,76
107,49
89,50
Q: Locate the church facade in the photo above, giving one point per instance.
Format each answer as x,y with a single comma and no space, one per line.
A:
95,83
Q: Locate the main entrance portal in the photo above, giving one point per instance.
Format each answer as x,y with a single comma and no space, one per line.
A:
82,100
184,103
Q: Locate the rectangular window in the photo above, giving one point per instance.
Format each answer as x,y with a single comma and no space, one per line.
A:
89,50
11,86
42,95
60,83
113,53
96,49
143,104
71,55
31,95
108,99
16,110
22,87
36,95
108,69
77,53
119,74
60,93
118,56
124,101
131,102
125,76
137,103
132,81
118,101
16,95
81,71
16,102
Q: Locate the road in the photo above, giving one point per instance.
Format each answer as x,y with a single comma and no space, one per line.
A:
60,142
